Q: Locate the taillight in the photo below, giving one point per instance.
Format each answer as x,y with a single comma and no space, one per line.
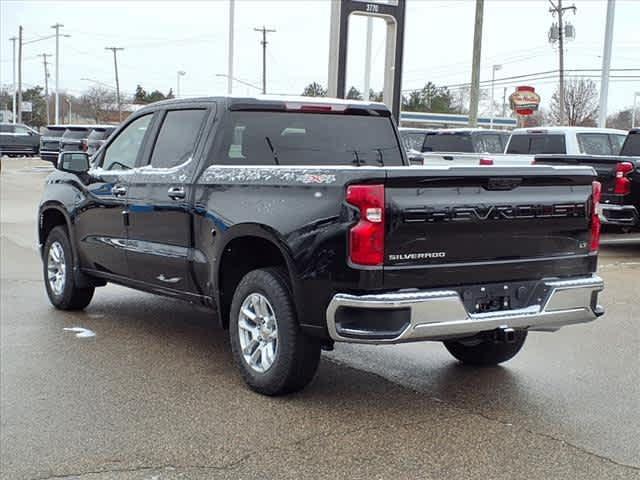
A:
486,161
366,238
595,218
85,145
623,184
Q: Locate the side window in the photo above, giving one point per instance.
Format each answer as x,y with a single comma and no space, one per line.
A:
123,151
22,130
594,143
177,138
6,128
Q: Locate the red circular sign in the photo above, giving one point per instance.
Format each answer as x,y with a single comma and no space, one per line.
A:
525,100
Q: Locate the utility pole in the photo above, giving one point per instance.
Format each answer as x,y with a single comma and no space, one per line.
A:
57,98
504,102
264,31
115,64
230,59
179,73
367,59
606,65
46,81
20,74
13,85
633,112
475,68
558,9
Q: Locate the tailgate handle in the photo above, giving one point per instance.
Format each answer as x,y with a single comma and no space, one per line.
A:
503,183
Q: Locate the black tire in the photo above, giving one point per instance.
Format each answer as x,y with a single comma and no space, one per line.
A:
70,297
297,355
486,352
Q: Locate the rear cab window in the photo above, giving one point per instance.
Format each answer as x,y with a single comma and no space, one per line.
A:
596,144
76,133
294,138
448,142
413,141
487,143
631,146
53,132
534,143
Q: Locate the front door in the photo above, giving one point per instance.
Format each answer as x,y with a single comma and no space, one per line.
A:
159,205
100,225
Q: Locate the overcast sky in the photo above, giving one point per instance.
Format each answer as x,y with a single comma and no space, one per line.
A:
161,37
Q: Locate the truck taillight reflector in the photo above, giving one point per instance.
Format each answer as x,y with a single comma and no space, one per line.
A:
366,238
595,218
623,184
486,161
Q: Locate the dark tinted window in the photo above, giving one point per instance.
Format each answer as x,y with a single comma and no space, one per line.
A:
76,133
177,138
632,145
537,143
53,132
308,139
6,128
448,142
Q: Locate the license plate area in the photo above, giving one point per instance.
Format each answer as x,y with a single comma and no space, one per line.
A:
503,296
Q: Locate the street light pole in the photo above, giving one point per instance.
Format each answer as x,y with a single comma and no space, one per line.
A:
20,74
13,40
179,73
633,112
57,101
230,59
606,65
494,69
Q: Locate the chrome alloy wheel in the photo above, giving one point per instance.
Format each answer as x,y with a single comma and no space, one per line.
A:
258,331
56,268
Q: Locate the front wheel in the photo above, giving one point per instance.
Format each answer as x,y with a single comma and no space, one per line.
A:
274,356
485,352
58,273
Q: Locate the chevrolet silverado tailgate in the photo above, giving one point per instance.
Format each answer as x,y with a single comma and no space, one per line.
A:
453,222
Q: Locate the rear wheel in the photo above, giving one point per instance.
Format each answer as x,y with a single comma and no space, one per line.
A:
58,273
486,351
274,356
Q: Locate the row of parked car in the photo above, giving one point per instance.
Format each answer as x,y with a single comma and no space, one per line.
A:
19,139
613,154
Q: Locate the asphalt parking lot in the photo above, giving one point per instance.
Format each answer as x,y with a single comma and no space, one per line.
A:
154,395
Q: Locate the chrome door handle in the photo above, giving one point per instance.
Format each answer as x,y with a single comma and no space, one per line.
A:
119,190
176,193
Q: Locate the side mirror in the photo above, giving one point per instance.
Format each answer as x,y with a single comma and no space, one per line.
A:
73,162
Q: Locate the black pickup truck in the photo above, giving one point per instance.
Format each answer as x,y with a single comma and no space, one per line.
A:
619,177
298,222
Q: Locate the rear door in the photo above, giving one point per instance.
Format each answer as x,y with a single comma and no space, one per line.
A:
160,201
444,223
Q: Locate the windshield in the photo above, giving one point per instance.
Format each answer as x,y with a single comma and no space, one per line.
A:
537,143
268,138
448,142
53,132
76,133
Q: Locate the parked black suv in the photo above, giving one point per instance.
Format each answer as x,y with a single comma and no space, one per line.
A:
50,142
18,139
299,224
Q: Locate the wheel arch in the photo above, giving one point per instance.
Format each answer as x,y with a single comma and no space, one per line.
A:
248,247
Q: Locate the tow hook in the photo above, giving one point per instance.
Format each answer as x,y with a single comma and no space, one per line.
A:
504,335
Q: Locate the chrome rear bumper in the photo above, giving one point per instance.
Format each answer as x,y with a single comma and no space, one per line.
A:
441,314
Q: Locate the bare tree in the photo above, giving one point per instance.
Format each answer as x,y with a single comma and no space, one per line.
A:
96,102
581,103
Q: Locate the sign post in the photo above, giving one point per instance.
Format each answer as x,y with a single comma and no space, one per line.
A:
393,13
